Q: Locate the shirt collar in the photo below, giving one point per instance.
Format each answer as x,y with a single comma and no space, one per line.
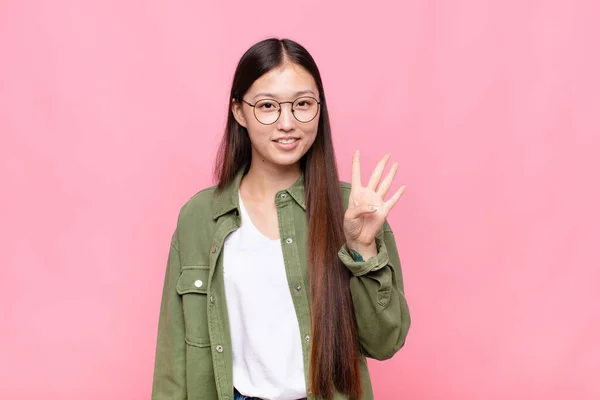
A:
227,199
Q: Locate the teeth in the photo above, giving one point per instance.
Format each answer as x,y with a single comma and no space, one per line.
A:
286,141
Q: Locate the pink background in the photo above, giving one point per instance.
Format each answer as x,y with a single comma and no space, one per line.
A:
110,113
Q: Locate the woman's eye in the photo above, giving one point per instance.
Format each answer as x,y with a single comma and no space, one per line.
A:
267,106
304,104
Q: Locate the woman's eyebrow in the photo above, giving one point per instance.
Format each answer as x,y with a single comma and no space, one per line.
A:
267,94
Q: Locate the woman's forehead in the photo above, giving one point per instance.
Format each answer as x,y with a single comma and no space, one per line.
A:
283,82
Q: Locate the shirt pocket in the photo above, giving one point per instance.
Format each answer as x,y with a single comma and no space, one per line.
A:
192,286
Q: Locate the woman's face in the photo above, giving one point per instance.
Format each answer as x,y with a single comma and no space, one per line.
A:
285,141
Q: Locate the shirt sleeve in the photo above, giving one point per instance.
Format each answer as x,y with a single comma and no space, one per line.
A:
169,381
380,305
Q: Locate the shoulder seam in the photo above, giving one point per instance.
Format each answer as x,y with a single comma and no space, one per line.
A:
209,190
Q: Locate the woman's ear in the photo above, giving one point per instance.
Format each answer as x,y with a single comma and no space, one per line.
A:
238,113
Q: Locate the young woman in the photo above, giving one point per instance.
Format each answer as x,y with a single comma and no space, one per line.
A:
280,279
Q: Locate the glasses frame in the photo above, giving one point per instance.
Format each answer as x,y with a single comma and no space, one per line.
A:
279,112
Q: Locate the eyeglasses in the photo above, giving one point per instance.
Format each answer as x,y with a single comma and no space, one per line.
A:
267,111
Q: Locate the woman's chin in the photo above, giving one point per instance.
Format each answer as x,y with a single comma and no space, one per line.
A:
287,159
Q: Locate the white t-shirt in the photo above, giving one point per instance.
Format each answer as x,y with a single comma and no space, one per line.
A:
267,346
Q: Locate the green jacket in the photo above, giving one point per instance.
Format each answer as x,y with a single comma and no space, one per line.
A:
193,353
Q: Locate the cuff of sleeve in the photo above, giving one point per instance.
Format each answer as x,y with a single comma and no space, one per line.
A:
359,268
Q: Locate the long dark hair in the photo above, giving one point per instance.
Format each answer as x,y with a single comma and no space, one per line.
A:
335,350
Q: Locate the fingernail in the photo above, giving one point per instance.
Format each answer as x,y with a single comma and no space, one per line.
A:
374,207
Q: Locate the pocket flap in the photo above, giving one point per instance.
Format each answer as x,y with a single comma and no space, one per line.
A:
193,280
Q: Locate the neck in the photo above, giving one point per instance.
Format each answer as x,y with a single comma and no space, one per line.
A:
264,180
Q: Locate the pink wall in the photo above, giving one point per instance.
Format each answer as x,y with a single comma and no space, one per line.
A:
110,112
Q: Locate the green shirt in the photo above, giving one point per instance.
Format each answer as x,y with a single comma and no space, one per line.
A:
193,353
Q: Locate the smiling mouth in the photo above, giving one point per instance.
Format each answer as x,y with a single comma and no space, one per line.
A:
286,141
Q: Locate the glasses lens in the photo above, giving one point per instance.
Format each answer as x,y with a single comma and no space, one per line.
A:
305,109
266,111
